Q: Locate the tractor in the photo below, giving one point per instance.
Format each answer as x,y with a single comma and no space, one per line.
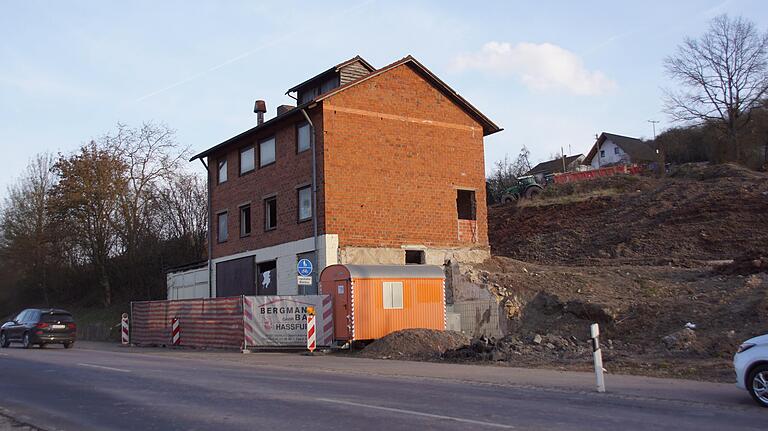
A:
526,187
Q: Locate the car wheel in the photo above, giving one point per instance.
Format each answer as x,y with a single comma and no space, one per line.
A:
757,383
42,345
26,342
69,345
4,341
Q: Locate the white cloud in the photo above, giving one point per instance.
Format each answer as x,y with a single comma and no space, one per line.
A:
540,67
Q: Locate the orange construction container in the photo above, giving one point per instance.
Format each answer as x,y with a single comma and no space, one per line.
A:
371,301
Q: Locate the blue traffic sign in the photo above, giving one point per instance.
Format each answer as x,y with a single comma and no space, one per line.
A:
304,267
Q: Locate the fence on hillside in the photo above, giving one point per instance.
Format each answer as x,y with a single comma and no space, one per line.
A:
570,177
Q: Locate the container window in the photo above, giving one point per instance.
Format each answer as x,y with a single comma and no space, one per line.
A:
414,257
465,204
393,295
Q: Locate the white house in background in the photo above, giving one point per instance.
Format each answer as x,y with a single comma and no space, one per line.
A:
611,149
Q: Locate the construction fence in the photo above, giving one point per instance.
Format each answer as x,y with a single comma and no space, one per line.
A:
235,322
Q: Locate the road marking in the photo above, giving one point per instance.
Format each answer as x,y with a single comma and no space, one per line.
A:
105,368
415,413
4,354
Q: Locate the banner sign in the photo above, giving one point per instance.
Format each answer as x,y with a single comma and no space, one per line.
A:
281,321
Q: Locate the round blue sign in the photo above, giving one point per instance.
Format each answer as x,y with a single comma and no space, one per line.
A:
304,267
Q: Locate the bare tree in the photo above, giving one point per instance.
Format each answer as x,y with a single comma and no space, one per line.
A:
724,75
26,222
184,210
152,157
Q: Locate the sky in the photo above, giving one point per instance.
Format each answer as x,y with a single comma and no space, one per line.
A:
551,73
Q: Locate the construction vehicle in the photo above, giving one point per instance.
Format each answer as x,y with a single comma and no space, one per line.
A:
526,187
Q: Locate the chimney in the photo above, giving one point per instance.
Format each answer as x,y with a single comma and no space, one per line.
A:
260,108
282,109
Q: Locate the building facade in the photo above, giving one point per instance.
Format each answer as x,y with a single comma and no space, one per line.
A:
374,166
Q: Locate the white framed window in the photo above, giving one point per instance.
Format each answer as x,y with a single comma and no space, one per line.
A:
393,295
616,150
305,203
302,137
247,160
266,152
222,229
222,172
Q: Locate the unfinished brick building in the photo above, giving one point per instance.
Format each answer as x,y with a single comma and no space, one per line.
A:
372,166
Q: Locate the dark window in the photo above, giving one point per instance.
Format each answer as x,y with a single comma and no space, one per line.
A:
414,257
302,137
247,160
222,170
222,229
305,203
616,150
56,317
267,281
602,153
245,220
270,213
267,152
465,204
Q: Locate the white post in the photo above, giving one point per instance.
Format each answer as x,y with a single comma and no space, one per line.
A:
597,355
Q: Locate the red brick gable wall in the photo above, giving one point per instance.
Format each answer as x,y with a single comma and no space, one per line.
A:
289,170
396,151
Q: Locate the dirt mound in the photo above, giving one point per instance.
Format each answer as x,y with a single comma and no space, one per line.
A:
643,311
744,266
704,213
415,344
706,171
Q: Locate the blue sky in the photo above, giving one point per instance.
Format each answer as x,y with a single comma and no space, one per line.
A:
550,73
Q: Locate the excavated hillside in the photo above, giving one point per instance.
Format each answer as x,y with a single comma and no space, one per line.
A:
645,258
700,213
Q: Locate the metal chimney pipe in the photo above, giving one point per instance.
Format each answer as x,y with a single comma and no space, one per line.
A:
260,107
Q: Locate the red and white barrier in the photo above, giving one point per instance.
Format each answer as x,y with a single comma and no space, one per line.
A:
327,321
126,339
311,333
175,332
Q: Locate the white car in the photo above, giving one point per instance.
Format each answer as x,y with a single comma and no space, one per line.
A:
751,364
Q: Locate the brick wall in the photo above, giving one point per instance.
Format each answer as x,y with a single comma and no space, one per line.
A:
289,171
397,150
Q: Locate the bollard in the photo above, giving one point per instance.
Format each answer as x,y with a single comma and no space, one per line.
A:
597,355
124,330
311,335
175,332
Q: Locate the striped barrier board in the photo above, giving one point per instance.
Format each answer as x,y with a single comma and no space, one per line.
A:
175,332
311,335
125,335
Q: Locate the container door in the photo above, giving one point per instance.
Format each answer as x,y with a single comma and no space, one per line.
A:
342,308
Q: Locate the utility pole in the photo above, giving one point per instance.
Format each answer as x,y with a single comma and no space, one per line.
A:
660,156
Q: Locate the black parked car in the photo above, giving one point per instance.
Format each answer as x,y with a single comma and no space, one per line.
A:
40,326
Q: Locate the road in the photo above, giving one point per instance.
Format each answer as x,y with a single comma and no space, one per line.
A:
104,387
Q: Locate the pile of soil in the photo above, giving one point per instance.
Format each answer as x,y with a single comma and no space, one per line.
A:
700,213
642,311
415,344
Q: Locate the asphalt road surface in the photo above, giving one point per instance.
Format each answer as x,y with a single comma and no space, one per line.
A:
95,388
